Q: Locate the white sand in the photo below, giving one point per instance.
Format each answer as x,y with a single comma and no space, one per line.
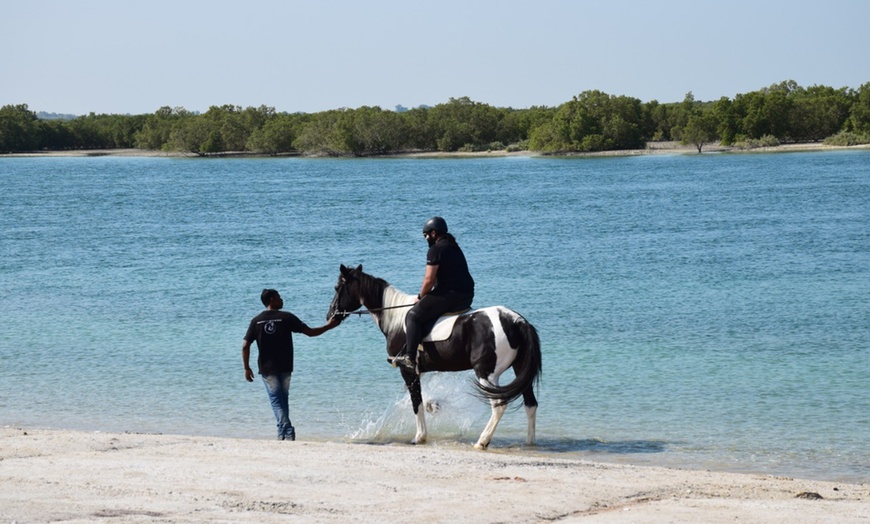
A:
69,476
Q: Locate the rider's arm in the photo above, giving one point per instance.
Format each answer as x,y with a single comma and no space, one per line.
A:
428,280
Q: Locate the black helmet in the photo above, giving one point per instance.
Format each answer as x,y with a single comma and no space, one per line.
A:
437,224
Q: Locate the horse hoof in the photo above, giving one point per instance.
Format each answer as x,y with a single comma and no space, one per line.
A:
479,446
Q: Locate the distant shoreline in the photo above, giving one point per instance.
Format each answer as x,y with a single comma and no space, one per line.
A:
653,148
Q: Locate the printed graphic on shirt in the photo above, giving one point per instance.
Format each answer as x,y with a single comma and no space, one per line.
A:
270,326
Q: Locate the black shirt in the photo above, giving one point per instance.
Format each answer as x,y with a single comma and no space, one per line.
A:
453,272
273,330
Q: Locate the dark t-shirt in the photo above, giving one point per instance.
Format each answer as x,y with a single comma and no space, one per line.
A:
453,272
273,330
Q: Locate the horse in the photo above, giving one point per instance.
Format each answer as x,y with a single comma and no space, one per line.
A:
488,340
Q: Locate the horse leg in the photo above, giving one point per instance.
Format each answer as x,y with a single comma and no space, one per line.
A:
412,381
531,404
498,409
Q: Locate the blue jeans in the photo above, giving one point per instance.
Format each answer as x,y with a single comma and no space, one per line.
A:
278,388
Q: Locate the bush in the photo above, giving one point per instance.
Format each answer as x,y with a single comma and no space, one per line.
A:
522,145
754,143
847,138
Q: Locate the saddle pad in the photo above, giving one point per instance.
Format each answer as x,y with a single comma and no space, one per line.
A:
444,326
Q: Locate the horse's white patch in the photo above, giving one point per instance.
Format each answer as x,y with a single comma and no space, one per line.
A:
503,351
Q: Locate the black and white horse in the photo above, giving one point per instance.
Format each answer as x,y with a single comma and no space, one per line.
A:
488,340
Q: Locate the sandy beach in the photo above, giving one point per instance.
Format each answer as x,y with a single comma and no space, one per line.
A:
67,476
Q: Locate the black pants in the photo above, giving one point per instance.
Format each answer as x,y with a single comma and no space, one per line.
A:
423,315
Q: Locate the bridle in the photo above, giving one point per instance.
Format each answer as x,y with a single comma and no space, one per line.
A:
362,312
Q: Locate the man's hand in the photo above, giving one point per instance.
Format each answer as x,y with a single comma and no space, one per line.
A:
249,375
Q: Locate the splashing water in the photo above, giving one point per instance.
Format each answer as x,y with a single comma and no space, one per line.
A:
453,411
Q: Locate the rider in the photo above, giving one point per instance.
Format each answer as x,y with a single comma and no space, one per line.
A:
447,287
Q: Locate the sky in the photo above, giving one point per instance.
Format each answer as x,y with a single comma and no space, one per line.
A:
134,57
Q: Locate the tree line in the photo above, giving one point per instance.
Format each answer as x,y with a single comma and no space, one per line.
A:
591,121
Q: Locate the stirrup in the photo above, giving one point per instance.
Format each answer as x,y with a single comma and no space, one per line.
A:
398,359
405,362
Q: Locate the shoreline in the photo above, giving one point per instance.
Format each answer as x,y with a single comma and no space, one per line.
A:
653,148
78,476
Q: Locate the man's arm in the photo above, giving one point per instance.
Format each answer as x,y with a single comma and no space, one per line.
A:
428,280
314,332
246,357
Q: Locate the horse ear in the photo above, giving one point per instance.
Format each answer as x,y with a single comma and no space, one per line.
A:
359,268
343,269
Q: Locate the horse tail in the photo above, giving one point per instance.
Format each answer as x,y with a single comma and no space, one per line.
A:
527,365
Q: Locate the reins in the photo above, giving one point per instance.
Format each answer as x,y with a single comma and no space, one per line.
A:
370,311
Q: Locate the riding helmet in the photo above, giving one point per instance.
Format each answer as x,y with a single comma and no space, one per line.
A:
437,224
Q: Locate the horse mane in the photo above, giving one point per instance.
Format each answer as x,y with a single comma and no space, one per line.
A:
382,299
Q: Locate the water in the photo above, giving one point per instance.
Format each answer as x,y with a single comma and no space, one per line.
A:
698,311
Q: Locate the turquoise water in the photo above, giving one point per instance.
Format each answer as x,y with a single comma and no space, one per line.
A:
698,311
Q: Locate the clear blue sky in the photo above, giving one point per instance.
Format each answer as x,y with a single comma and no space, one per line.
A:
119,56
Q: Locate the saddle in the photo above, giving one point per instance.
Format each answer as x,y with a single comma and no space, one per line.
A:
444,325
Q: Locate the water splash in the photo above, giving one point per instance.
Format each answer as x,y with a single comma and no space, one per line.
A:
453,411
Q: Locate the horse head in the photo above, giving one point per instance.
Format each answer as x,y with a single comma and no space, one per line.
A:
347,296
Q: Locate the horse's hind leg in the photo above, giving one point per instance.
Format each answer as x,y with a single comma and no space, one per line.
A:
531,404
498,409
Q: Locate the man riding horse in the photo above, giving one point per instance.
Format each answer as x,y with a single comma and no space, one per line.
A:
447,287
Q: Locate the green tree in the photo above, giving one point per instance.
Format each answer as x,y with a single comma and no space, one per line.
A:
698,122
19,128
276,135
225,129
680,114
727,120
766,112
859,113
157,128
56,135
419,133
462,122
592,121
193,135
656,124
371,130
320,135
819,112
700,129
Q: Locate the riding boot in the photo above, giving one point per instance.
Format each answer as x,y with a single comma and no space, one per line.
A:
406,359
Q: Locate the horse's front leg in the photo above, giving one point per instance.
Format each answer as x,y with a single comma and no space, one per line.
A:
412,381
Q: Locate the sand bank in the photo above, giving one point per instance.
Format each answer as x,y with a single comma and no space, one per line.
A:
84,477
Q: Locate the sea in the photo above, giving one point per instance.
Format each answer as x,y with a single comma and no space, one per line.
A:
696,311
